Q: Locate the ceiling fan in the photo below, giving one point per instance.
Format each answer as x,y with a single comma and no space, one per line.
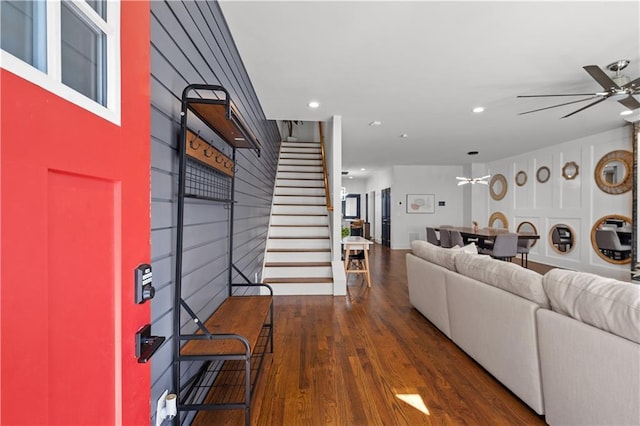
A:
481,180
619,87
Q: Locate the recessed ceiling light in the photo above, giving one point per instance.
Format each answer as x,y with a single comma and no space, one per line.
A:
350,177
314,104
362,169
626,112
404,135
375,123
472,153
478,109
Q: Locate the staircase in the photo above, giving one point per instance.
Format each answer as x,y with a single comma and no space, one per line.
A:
298,257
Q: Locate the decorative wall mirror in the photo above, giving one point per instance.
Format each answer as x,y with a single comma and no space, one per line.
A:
613,172
351,206
543,174
521,178
498,187
498,220
570,170
611,238
562,238
528,228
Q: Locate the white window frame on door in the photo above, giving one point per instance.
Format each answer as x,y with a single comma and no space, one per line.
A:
51,79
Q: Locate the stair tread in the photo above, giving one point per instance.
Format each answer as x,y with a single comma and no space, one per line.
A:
304,280
300,238
298,250
295,264
301,226
298,214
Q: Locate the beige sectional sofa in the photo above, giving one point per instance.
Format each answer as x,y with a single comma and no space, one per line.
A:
566,343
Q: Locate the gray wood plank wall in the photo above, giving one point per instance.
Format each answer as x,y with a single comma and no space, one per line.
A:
190,43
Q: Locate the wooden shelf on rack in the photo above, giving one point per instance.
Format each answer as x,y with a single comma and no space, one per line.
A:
233,129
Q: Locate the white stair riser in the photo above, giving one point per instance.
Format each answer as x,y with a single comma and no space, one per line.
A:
300,145
301,155
309,256
301,176
316,231
299,209
303,183
306,169
299,272
287,199
300,162
299,220
298,244
300,191
303,289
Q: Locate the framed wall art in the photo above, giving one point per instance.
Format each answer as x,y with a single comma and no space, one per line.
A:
421,203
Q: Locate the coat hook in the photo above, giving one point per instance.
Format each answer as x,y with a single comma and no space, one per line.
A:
219,159
193,140
206,153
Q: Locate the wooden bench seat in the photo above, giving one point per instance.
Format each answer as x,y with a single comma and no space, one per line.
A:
241,315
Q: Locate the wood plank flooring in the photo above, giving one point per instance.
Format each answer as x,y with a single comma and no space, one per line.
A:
356,360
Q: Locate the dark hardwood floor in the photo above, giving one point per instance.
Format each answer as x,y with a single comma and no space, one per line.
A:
357,360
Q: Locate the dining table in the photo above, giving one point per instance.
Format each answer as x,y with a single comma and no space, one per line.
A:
487,234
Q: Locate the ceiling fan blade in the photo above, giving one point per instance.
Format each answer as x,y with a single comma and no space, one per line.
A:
485,177
632,84
601,77
585,107
483,182
630,102
563,94
461,178
559,105
463,182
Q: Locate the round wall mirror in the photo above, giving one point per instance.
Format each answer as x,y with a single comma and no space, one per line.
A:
611,238
521,178
528,228
613,172
570,170
498,220
498,187
543,174
562,238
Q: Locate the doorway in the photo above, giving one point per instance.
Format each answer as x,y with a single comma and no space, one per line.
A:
386,217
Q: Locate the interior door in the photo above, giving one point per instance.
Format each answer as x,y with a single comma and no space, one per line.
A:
386,217
74,223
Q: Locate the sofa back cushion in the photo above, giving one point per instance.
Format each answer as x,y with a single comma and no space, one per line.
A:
605,303
504,275
434,254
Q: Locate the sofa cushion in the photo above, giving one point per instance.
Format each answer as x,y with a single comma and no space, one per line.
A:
504,275
469,248
605,303
434,254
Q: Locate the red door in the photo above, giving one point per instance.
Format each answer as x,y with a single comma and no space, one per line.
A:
74,223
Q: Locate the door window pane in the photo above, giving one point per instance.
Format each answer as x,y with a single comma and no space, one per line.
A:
100,6
83,55
23,31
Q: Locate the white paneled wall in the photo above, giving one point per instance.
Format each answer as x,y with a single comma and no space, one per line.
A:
578,203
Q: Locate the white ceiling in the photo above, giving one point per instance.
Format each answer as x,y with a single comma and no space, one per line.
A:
421,67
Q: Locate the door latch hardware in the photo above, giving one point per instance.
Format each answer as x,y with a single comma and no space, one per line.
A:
146,344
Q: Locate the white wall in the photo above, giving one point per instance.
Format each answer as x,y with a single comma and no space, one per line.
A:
379,180
578,203
332,130
305,131
438,180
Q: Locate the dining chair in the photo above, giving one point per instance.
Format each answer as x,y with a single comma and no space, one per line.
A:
524,246
445,240
455,238
432,237
609,243
505,247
